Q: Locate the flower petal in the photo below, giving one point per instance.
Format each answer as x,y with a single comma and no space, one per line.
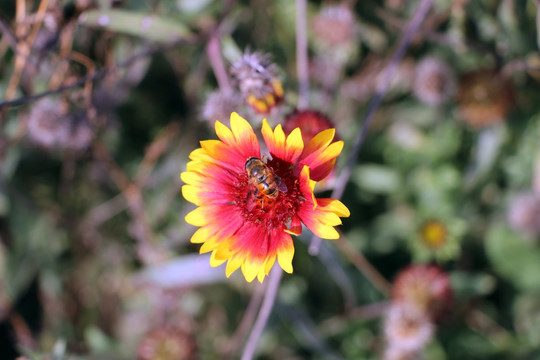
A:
198,217
270,261
251,267
215,262
322,162
224,133
234,264
334,206
285,253
191,194
288,148
295,228
211,244
321,140
322,219
243,132
201,235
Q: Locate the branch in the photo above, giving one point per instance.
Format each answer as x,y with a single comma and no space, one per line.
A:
419,16
302,67
98,74
264,314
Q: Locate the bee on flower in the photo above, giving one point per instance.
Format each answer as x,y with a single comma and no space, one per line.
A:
247,208
266,183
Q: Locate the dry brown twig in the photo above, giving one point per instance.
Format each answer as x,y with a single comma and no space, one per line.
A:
133,195
363,265
23,46
154,151
247,321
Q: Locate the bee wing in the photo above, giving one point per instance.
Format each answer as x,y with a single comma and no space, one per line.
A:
251,202
251,199
280,185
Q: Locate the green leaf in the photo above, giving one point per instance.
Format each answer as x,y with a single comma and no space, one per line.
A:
467,284
513,257
488,147
151,27
377,178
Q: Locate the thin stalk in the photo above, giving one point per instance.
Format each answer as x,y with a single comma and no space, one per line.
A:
413,26
264,313
302,67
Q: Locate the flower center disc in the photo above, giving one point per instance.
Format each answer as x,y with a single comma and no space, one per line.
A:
261,209
434,234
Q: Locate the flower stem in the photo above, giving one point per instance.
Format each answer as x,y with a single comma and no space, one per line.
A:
413,26
302,67
264,314
247,320
364,266
213,50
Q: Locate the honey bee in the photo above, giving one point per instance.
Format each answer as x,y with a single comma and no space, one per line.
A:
265,182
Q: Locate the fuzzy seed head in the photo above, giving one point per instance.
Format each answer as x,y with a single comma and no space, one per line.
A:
425,287
407,328
219,105
434,81
48,123
254,74
335,25
485,97
166,343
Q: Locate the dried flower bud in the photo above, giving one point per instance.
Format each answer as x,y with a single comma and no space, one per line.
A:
335,25
485,97
407,328
256,77
426,287
48,123
394,4
434,81
80,134
311,123
166,343
524,214
219,105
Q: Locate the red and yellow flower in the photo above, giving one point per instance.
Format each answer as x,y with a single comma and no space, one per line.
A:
252,238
